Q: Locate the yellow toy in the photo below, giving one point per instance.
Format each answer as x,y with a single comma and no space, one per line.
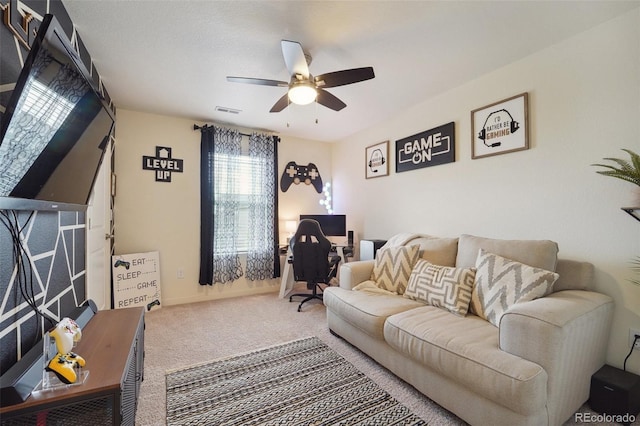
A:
66,333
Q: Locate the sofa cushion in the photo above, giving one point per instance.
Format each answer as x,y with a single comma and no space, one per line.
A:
364,310
500,283
537,253
441,286
466,350
437,250
574,275
393,266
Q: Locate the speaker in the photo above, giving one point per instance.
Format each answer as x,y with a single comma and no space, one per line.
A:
17,383
91,304
350,238
615,392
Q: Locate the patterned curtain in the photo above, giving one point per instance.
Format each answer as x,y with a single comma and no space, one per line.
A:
221,147
262,208
226,262
206,205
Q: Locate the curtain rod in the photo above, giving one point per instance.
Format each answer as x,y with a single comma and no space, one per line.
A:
196,127
273,134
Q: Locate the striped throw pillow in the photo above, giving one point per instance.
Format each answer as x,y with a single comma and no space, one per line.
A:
393,266
500,283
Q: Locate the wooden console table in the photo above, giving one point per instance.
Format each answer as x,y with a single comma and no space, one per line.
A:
113,346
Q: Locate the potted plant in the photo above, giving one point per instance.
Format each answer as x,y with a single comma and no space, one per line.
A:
626,170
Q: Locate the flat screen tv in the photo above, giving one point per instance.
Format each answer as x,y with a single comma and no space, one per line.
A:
54,129
333,225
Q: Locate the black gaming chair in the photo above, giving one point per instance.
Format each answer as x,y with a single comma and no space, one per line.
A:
311,263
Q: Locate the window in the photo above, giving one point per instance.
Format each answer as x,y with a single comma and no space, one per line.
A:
239,204
237,170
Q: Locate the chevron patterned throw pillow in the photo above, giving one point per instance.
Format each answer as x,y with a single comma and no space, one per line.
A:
441,286
393,267
501,283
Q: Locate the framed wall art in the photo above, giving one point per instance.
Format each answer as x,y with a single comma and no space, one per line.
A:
429,148
377,160
500,127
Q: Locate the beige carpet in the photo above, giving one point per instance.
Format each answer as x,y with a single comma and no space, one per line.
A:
179,336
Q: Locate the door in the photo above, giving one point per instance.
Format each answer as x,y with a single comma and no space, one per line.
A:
100,233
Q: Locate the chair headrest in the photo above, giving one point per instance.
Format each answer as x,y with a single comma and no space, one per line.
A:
309,228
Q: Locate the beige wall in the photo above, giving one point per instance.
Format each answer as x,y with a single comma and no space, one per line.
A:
584,104
165,217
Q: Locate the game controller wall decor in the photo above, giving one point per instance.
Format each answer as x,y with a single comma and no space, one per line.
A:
295,174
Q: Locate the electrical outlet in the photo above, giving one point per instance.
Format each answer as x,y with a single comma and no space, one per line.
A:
180,273
632,337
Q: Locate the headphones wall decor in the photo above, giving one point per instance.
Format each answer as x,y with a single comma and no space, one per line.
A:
513,126
376,159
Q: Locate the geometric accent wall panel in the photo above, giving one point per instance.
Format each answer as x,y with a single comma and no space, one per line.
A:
55,277
55,241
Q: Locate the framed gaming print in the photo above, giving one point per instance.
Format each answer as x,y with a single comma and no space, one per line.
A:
428,148
377,160
500,127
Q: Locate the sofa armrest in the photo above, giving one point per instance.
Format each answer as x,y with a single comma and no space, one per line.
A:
567,334
353,273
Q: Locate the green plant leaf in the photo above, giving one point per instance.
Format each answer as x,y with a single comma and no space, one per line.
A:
625,170
635,158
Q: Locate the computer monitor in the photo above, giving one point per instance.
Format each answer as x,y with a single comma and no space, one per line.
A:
333,225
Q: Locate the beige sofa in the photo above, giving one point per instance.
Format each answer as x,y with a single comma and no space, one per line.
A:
533,368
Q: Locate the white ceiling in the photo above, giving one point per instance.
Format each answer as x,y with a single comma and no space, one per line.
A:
172,57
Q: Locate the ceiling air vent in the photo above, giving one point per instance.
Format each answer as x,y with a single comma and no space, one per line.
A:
229,110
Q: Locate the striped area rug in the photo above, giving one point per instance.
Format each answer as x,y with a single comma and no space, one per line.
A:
303,382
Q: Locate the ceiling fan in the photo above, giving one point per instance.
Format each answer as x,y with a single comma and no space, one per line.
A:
304,88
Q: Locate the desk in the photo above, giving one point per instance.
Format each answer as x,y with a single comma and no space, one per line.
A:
287,282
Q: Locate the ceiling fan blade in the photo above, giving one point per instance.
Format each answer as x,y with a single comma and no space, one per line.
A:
340,78
259,81
282,103
330,101
294,58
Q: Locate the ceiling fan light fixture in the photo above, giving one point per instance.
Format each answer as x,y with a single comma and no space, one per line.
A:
302,93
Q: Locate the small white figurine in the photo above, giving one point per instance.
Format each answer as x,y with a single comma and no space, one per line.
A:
66,333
